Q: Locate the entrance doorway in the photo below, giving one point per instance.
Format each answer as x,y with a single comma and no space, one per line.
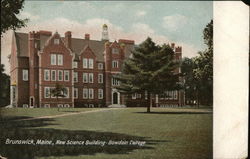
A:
31,102
115,98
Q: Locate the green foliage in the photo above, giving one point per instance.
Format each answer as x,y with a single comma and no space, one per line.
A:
9,11
190,84
58,91
151,68
198,71
208,35
4,87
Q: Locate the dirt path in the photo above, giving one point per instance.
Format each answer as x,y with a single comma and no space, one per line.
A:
69,114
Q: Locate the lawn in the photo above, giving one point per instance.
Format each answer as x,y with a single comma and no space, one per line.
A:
36,112
172,133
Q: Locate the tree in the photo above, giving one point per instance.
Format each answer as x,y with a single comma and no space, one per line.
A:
4,87
58,91
190,84
151,68
9,11
199,81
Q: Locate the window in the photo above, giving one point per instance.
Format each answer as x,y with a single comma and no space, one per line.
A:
175,94
53,59
85,93
134,96
56,41
66,105
100,66
138,95
100,93
170,94
46,105
91,63
46,92
25,75
100,78
86,105
60,105
75,92
66,92
85,77
115,82
91,105
146,95
52,95
53,75
115,50
60,75
166,95
46,75
75,64
114,64
25,106
162,96
60,60
91,93
66,75
91,78
75,76
88,63
85,63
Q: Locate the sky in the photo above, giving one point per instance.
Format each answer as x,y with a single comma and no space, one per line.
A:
163,21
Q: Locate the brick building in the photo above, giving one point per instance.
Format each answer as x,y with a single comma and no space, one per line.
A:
85,67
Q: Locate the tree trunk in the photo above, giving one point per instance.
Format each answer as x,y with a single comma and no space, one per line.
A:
57,104
150,103
198,99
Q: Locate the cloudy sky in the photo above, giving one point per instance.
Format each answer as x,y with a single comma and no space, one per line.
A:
165,22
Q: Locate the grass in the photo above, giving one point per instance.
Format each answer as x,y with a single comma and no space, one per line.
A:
37,112
173,133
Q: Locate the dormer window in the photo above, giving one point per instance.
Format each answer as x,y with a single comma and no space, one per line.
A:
56,41
100,66
115,50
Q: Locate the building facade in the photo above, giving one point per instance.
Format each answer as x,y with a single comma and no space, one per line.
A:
84,67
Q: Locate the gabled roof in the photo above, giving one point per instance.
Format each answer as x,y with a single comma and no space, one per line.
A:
22,44
97,47
77,45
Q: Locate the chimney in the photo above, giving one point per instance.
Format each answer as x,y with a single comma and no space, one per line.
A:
87,36
172,45
178,49
68,39
45,33
125,41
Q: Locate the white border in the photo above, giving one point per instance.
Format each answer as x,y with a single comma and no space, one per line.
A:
231,54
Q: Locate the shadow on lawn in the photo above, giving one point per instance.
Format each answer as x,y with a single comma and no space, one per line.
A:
190,113
28,129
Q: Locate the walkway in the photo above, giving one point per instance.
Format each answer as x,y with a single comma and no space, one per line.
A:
69,114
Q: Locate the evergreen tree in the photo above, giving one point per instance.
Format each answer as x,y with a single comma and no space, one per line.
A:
151,68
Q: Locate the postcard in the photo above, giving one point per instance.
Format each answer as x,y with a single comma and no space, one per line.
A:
124,80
